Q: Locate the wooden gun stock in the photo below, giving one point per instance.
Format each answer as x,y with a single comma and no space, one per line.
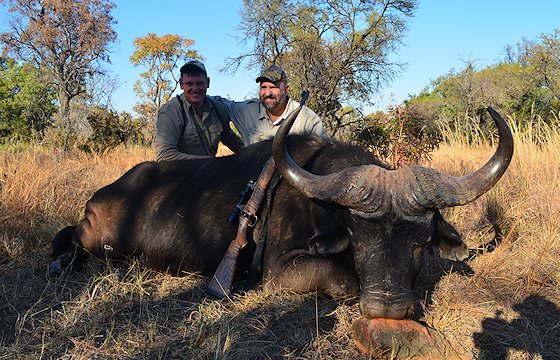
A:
220,285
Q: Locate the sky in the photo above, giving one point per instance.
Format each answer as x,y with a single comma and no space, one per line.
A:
441,36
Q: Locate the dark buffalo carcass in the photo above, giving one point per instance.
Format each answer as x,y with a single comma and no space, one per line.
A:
339,221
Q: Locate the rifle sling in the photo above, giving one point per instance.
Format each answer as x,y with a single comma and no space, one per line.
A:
201,136
255,271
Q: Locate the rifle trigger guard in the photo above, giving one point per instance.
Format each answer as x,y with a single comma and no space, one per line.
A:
253,220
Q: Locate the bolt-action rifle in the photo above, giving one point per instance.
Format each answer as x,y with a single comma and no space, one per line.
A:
220,284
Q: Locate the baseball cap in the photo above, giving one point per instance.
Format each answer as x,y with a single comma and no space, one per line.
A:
191,65
273,73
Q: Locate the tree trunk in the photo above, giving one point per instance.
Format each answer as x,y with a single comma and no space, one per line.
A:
64,118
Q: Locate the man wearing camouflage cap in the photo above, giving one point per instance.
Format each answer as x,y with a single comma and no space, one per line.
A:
259,119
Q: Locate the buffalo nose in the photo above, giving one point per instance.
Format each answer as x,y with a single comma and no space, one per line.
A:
388,311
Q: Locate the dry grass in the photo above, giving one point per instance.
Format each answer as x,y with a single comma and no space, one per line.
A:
502,303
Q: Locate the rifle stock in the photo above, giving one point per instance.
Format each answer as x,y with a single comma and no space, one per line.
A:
220,284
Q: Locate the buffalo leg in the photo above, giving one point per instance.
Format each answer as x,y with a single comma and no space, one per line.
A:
305,273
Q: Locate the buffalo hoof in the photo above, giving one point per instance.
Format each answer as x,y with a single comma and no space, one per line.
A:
400,339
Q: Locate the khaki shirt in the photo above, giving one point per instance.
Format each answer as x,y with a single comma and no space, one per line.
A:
172,143
252,121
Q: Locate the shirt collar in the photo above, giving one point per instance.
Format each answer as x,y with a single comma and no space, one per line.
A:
263,115
205,107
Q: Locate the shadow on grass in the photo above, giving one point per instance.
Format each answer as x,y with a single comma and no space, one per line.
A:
536,331
29,298
99,312
269,330
19,291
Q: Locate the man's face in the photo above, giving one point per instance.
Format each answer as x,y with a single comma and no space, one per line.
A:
195,87
274,96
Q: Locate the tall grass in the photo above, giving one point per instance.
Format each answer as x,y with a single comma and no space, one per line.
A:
502,303
511,302
43,188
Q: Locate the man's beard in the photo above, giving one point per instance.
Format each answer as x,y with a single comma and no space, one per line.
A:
275,103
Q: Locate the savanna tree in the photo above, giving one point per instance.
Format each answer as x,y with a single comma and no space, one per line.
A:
543,60
339,50
159,55
67,39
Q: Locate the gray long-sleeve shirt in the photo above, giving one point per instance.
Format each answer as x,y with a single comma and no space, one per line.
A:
252,121
178,139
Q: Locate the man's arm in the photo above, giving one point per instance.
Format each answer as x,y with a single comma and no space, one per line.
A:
166,152
239,114
225,111
231,140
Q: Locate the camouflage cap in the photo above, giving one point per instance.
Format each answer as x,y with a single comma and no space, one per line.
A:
273,73
197,64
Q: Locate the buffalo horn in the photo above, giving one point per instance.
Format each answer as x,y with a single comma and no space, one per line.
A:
436,190
352,187
365,188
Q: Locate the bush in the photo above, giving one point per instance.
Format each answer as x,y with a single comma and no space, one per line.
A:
399,137
110,129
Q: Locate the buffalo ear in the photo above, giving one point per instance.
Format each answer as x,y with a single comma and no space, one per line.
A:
449,241
328,243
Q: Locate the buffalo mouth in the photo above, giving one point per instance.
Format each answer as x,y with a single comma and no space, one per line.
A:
384,298
403,339
379,309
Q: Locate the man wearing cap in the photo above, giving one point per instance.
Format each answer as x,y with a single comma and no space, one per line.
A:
259,119
190,125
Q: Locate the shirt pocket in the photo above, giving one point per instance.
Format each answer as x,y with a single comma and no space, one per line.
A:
216,129
191,140
214,132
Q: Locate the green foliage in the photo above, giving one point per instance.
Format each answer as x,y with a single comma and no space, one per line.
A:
543,60
110,129
399,137
27,103
469,92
